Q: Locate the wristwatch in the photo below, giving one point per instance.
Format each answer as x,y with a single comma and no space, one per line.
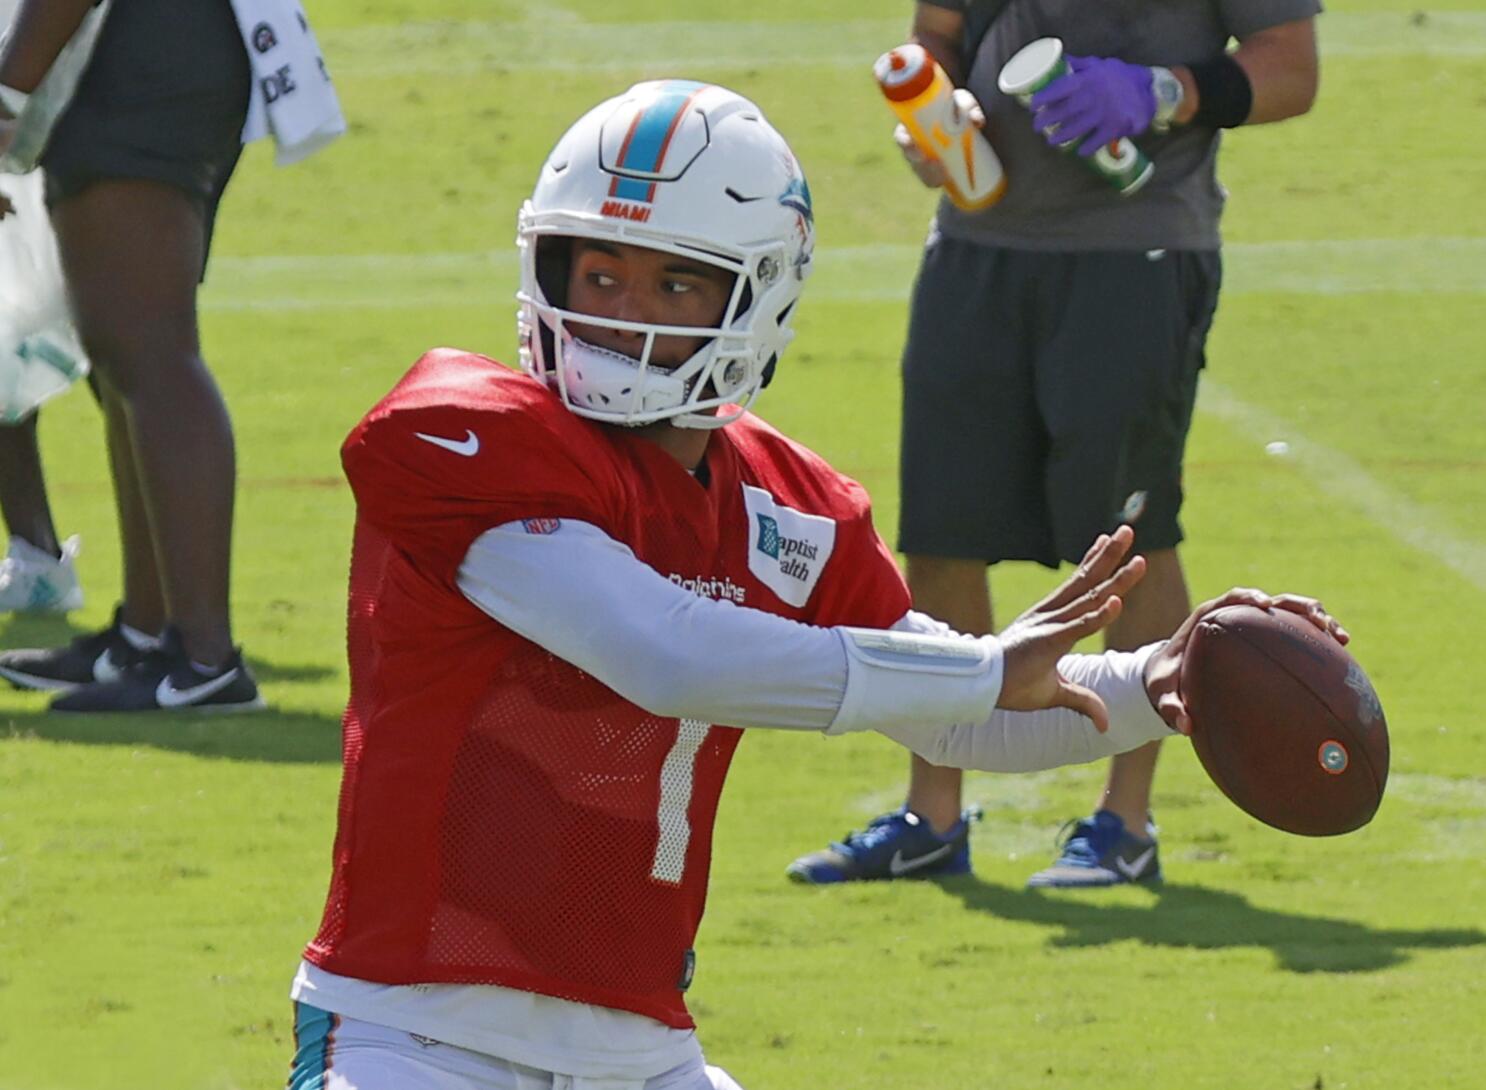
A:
1169,94
12,100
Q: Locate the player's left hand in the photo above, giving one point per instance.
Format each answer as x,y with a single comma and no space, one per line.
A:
6,208
1087,602
1163,671
1100,100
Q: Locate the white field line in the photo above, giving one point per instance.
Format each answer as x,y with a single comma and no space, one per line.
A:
571,44
1340,477
882,273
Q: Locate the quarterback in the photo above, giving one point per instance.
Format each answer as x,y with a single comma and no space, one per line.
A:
572,587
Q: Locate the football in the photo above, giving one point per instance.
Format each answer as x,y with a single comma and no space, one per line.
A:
1285,721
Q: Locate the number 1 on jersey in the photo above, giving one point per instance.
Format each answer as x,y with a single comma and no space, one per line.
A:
676,777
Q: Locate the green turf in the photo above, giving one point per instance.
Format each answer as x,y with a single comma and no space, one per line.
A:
158,879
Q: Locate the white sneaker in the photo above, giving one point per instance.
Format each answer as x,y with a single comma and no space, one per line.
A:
32,581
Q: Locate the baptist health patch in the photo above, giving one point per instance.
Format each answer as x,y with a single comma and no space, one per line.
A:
787,549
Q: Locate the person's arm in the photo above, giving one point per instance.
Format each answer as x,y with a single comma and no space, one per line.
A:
1012,704
1141,690
940,29
40,29
590,601
1283,70
1272,76
1014,741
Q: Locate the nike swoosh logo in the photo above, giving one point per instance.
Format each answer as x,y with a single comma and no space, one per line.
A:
469,446
168,696
898,866
105,669
1132,868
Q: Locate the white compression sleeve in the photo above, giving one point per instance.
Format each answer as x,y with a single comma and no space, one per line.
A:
1030,741
890,674
589,600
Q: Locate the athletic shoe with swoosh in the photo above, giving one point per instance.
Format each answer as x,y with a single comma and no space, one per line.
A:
94,657
167,680
899,844
1098,851
33,581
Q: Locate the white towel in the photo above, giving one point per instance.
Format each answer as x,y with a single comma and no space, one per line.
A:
293,97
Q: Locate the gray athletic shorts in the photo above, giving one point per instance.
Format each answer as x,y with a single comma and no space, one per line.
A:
1047,397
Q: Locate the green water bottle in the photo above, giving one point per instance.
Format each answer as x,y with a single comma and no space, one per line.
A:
1033,67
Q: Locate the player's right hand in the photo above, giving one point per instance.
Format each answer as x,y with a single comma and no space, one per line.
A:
1088,601
1163,670
931,171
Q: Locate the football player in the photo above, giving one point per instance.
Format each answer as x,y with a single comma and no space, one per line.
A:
569,590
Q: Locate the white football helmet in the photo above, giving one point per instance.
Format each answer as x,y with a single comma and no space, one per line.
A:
685,168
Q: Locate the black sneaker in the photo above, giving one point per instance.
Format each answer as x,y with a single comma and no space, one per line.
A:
167,680
103,656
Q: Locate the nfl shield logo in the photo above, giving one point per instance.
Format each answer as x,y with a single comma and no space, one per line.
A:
541,526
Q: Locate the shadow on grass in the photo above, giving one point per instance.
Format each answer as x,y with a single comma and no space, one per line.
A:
270,735
1194,917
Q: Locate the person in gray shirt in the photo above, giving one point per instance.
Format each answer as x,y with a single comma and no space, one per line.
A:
1054,344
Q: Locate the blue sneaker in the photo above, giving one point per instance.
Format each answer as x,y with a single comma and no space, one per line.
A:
1098,851
899,844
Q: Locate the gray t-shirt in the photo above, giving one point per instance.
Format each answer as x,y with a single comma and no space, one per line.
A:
1053,201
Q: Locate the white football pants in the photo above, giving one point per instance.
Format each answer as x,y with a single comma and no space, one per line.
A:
365,1056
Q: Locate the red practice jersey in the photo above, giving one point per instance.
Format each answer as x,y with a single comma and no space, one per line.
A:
504,817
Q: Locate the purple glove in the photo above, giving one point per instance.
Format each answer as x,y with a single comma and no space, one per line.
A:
1099,101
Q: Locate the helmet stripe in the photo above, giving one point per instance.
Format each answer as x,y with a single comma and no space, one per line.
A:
649,137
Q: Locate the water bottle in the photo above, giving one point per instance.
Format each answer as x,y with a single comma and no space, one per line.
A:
921,95
1033,67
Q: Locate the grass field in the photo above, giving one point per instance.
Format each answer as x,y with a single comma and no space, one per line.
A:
158,878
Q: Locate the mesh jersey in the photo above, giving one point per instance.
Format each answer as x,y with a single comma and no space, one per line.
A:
505,818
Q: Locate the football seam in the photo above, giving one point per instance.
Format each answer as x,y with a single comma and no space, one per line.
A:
1362,752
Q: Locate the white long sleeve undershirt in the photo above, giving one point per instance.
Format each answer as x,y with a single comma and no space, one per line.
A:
586,598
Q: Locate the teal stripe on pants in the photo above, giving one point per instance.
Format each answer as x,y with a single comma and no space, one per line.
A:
314,1035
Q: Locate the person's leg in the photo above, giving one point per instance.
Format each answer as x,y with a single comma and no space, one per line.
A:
972,454
956,592
1121,383
23,499
132,251
37,572
143,607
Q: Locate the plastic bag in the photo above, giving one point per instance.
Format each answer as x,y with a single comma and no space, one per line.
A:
39,353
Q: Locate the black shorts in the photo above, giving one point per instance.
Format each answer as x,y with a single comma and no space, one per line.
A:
164,99
1047,398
